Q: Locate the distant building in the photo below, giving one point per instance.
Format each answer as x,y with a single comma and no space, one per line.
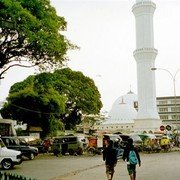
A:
7,127
168,110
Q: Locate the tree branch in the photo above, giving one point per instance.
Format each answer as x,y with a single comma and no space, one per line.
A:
20,65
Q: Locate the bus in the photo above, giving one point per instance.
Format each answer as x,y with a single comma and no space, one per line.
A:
68,145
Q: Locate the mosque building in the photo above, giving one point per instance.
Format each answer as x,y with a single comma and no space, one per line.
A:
121,118
147,117
123,115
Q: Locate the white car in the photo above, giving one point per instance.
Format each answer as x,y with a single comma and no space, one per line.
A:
8,157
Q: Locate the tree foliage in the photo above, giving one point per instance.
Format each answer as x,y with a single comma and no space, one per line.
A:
34,106
51,97
30,31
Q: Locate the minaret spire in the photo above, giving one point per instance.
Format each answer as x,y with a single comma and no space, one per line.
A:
145,55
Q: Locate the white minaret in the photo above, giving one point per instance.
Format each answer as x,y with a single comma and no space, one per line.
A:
145,54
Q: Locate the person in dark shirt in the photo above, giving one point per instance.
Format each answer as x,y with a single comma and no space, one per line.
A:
131,167
110,158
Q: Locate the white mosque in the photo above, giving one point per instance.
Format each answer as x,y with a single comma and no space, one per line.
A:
123,116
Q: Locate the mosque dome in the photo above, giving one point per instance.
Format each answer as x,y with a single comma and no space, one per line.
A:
128,98
122,110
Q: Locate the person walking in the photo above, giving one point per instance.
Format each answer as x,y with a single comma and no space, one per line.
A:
131,156
110,158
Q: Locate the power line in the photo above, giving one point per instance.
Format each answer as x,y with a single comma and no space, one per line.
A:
30,110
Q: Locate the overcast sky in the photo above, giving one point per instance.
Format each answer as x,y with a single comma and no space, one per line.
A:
105,32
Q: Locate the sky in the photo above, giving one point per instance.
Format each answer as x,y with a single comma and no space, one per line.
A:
105,32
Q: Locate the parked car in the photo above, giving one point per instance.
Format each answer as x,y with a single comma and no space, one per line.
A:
8,157
14,143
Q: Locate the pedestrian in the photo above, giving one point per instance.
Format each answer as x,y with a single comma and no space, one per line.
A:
110,158
131,156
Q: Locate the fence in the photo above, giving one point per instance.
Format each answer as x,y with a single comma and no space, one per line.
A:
10,176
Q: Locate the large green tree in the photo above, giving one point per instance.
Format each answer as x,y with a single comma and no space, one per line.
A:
51,98
30,30
35,105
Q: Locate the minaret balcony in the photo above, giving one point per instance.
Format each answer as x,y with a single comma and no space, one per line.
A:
143,7
145,54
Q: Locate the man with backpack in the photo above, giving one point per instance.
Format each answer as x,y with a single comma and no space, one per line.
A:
131,156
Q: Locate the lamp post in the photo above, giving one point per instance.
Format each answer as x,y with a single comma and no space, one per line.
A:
174,87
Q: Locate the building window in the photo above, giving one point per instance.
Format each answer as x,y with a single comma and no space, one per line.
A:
173,109
162,102
174,117
135,104
164,117
163,109
173,101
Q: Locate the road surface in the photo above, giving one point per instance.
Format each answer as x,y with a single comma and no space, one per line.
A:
155,166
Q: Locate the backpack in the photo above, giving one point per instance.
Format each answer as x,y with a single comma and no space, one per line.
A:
132,157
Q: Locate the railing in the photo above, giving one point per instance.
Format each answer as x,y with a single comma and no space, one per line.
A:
11,176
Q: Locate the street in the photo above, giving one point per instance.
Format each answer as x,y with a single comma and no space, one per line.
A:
155,166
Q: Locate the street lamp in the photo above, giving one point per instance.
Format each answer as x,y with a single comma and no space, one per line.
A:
174,86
